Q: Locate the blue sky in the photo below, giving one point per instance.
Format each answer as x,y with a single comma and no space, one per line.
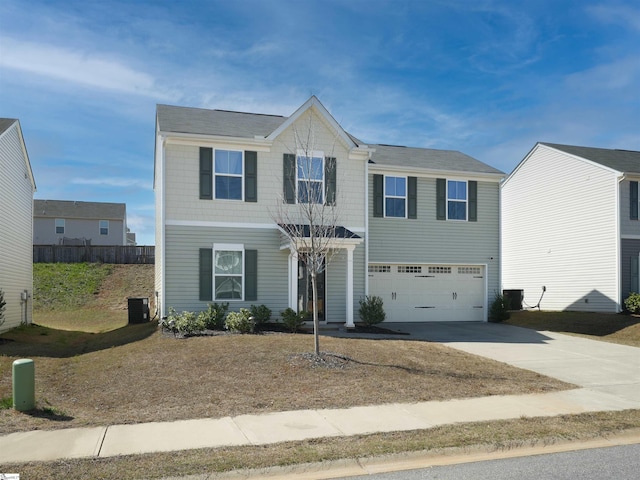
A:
489,78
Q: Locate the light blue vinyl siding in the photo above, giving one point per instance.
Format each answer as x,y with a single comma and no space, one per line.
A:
426,240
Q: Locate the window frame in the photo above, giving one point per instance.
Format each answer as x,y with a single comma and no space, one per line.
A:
215,175
405,197
59,223
100,227
310,155
228,247
457,200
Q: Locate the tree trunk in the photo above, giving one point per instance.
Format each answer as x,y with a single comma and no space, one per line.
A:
316,323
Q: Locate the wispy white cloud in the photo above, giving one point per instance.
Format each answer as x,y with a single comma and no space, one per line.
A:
78,67
617,14
119,182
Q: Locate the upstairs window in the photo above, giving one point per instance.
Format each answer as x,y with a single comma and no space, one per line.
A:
456,200
310,178
60,226
228,175
104,227
395,197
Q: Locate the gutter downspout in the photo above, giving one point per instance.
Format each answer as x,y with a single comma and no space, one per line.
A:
618,269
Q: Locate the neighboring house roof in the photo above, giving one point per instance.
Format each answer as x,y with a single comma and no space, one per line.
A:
200,121
5,125
72,209
445,160
624,161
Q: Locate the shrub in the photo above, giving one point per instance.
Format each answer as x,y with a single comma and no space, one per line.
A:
632,302
293,320
261,314
499,309
169,322
240,322
188,323
371,310
213,317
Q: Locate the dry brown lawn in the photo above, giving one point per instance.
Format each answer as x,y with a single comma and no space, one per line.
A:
138,374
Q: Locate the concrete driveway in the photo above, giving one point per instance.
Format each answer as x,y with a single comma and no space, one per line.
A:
598,366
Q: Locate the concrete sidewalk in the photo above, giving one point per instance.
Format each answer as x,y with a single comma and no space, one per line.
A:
608,374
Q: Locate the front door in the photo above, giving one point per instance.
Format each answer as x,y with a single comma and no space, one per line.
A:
305,290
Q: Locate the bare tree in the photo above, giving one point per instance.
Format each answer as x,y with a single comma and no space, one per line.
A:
307,212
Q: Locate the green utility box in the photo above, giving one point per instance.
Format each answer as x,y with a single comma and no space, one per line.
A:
24,385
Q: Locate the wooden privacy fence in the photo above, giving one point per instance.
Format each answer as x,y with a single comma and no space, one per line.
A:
93,254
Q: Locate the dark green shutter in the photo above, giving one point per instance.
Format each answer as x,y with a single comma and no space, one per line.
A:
206,173
206,274
441,199
378,195
473,201
250,176
633,195
251,275
289,178
330,181
635,284
412,198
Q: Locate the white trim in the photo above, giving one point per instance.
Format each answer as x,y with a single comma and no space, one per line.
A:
199,140
198,223
313,102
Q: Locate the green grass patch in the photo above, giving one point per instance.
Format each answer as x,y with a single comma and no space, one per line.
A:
6,403
67,285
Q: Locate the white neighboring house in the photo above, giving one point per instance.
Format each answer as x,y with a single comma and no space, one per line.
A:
17,187
570,229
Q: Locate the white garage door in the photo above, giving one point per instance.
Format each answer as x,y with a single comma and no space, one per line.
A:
429,293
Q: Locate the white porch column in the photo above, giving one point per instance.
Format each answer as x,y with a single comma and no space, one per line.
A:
349,312
293,280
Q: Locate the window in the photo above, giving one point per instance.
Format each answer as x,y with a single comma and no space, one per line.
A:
228,175
379,268
104,227
409,269
439,269
60,226
310,178
456,200
395,197
228,272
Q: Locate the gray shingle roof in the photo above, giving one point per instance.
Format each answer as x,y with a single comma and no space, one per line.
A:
446,160
5,123
71,209
625,161
216,122
249,125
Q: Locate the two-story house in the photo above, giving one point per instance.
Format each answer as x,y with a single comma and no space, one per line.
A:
64,222
17,187
570,229
418,227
